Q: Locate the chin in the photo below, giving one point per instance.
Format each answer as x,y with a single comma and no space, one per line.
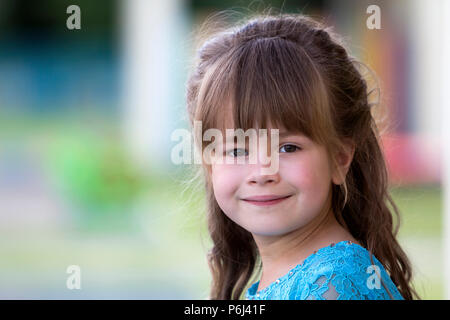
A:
269,231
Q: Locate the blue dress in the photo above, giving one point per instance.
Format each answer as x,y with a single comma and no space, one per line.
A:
341,271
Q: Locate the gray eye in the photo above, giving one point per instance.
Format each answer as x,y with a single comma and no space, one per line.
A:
239,152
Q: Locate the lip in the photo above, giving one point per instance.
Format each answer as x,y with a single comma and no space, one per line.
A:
266,200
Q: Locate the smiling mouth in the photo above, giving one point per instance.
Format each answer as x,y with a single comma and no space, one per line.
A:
268,202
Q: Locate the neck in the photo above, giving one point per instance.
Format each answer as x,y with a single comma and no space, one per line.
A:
281,253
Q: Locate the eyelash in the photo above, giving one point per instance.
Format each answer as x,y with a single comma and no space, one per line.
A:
287,144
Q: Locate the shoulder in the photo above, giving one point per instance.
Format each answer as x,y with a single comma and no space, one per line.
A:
343,271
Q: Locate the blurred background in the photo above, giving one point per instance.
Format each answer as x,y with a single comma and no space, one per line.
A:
86,118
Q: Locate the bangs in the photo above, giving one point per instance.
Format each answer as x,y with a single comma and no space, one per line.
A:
265,83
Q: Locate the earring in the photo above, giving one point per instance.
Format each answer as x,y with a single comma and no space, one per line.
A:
345,194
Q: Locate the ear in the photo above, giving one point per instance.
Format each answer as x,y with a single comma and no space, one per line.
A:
343,159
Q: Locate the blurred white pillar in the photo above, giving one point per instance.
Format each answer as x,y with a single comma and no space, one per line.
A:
150,34
444,81
431,95
426,37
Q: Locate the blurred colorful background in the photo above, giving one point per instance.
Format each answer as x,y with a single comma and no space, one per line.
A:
86,118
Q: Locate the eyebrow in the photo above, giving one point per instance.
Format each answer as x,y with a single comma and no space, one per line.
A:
281,134
285,134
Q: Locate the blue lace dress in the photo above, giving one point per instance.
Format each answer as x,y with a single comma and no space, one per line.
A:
341,271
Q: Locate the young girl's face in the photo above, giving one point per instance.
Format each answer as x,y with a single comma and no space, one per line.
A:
304,177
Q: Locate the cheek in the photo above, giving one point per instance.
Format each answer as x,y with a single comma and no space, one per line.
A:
226,180
310,175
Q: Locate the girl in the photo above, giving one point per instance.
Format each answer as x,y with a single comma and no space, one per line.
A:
320,227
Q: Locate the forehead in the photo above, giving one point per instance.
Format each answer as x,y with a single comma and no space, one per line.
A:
229,118
228,129
227,122
233,137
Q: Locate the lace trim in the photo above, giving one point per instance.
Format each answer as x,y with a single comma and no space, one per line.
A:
294,270
338,271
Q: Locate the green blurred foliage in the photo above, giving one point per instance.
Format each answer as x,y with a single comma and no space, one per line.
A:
420,210
95,175
98,175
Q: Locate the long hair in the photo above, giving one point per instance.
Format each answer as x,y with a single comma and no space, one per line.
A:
294,71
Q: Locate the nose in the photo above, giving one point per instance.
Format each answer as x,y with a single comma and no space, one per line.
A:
263,179
258,177
259,173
